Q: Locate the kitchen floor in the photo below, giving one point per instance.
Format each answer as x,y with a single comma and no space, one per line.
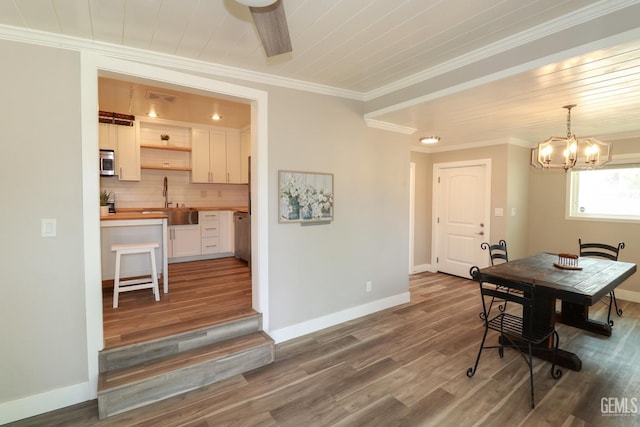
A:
201,293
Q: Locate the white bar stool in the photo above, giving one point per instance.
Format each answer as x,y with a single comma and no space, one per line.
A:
135,284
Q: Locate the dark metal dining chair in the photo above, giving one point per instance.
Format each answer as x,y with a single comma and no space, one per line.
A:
515,331
497,253
602,250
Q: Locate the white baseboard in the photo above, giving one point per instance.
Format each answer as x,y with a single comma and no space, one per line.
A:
626,295
44,402
314,325
422,268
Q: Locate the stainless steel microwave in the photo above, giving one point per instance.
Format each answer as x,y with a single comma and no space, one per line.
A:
107,163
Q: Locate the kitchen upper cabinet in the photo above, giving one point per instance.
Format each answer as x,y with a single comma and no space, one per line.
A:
205,152
129,153
216,156
233,157
245,153
124,142
106,136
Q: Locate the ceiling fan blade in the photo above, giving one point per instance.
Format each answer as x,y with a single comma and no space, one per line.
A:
271,23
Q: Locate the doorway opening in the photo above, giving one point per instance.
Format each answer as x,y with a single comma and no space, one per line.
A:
94,66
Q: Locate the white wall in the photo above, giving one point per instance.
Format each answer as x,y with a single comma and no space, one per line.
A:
42,301
319,270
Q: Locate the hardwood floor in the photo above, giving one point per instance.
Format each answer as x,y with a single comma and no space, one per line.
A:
201,293
406,366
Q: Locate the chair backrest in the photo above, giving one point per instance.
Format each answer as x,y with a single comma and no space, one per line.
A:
600,250
496,252
511,291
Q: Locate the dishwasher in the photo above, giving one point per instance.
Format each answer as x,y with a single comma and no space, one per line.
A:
242,233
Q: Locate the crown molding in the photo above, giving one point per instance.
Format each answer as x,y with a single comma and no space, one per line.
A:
573,19
435,148
378,124
168,61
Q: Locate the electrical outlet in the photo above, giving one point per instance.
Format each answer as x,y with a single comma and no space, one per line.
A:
368,286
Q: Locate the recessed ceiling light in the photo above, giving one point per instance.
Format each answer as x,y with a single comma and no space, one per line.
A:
429,139
152,114
216,116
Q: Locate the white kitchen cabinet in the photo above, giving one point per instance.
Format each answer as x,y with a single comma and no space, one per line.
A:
209,231
216,228
233,157
216,156
184,240
124,142
245,153
128,153
106,136
208,149
226,236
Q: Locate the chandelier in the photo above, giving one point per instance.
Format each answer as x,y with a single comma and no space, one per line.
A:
570,152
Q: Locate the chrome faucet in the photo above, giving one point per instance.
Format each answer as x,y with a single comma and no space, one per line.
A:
165,192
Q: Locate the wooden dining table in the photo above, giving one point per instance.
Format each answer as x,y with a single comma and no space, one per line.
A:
578,289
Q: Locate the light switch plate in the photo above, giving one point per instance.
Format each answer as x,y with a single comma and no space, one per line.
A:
48,227
499,212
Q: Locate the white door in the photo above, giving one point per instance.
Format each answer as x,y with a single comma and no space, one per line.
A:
463,199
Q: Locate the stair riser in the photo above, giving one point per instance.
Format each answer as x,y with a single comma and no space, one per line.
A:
140,353
179,381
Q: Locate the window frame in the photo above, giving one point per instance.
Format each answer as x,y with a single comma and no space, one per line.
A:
572,185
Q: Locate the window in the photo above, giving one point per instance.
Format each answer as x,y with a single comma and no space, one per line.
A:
605,194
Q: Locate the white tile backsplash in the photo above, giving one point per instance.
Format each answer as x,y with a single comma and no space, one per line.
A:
148,192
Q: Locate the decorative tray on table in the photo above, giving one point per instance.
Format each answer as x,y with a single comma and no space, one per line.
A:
567,262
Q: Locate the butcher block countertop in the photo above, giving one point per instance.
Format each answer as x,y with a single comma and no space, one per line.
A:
136,213
132,215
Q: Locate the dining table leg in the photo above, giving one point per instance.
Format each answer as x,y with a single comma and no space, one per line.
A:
544,308
577,315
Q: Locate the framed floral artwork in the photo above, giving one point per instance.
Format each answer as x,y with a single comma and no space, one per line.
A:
305,197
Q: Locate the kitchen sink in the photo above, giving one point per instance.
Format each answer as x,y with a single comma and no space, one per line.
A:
176,216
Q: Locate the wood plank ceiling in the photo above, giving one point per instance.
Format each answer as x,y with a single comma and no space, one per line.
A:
365,46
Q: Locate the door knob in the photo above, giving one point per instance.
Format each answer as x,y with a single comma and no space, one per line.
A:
481,233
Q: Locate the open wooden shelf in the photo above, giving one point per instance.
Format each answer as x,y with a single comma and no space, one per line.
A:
166,147
168,168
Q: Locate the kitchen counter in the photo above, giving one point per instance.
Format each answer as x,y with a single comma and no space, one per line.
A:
132,227
136,213
132,215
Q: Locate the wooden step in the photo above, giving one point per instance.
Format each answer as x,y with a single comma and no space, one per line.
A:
130,387
134,354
